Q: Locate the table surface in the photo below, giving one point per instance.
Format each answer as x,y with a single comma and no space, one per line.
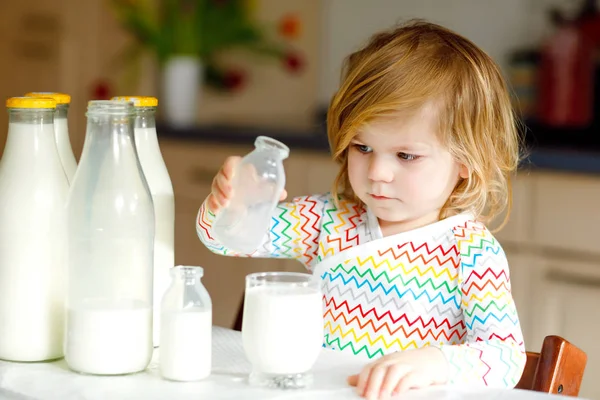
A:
228,381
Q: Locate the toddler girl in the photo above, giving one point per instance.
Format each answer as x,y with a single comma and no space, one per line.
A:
424,133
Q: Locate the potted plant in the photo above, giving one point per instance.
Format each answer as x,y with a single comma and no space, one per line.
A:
187,36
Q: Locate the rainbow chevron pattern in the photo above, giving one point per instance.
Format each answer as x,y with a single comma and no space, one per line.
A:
445,285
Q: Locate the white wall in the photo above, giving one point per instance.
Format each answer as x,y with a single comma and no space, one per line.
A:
497,26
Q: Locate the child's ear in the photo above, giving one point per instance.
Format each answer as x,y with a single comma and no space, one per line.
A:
463,171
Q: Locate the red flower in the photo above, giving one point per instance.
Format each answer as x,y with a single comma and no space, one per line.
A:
101,91
289,26
234,79
293,62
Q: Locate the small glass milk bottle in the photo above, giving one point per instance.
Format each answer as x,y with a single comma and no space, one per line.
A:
258,181
186,326
161,189
33,238
61,130
110,221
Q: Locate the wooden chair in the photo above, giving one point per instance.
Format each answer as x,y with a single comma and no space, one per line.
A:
237,325
557,369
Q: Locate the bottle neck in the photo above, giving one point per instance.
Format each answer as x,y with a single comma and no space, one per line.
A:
145,117
31,116
276,150
111,136
62,111
30,139
186,276
188,281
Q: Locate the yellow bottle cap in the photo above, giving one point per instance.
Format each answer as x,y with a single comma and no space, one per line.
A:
139,101
30,102
61,98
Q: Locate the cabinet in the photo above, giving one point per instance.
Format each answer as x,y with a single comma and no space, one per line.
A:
552,247
566,303
62,45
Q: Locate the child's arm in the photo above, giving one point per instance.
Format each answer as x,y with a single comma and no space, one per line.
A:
294,231
494,352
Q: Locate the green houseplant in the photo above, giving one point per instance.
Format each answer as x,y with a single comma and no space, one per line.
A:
186,38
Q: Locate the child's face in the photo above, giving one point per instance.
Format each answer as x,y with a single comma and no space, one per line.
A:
401,171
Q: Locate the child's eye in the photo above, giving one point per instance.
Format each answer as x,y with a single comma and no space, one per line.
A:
362,148
407,157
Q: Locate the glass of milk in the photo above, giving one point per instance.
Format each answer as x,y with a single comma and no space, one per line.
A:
282,328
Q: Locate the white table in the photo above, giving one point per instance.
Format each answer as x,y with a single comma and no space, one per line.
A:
53,380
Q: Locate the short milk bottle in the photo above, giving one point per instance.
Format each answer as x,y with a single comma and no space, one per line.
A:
33,194
61,130
258,181
110,220
161,189
186,324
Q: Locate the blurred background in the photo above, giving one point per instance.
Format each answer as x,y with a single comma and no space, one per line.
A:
226,71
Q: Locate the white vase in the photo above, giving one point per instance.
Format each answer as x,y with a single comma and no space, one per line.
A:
181,85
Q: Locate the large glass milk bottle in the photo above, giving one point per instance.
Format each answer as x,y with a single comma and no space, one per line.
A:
33,194
61,130
111,235
161,189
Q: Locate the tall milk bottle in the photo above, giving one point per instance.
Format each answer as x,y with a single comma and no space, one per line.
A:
61,130
33,194
161,189
110,221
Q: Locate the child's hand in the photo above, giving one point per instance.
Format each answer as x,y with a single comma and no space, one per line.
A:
221,190
398,372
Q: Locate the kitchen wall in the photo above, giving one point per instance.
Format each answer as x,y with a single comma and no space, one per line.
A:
497,26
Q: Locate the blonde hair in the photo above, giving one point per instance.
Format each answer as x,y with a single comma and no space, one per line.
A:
405,68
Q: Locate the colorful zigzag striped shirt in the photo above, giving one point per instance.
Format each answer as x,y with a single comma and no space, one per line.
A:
445,285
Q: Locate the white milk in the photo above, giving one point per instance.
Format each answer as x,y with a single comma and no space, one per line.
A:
282,329
65,150
109,341
161,189
186,345
33,193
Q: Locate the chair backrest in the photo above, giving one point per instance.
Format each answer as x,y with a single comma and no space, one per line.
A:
239,318
557,369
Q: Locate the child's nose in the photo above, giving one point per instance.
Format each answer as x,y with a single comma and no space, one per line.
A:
380,170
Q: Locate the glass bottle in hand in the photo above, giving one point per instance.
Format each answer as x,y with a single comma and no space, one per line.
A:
258,181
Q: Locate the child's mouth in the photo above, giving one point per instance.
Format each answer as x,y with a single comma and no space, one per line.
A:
376,197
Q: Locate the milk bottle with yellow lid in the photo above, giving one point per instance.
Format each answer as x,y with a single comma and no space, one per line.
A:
61,128
158,179
33,194
110,221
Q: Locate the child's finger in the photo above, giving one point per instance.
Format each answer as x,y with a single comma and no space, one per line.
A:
229,166
283,195
352,380
395,373
223,185
213,205
374,382
220,191
363,378
409,381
